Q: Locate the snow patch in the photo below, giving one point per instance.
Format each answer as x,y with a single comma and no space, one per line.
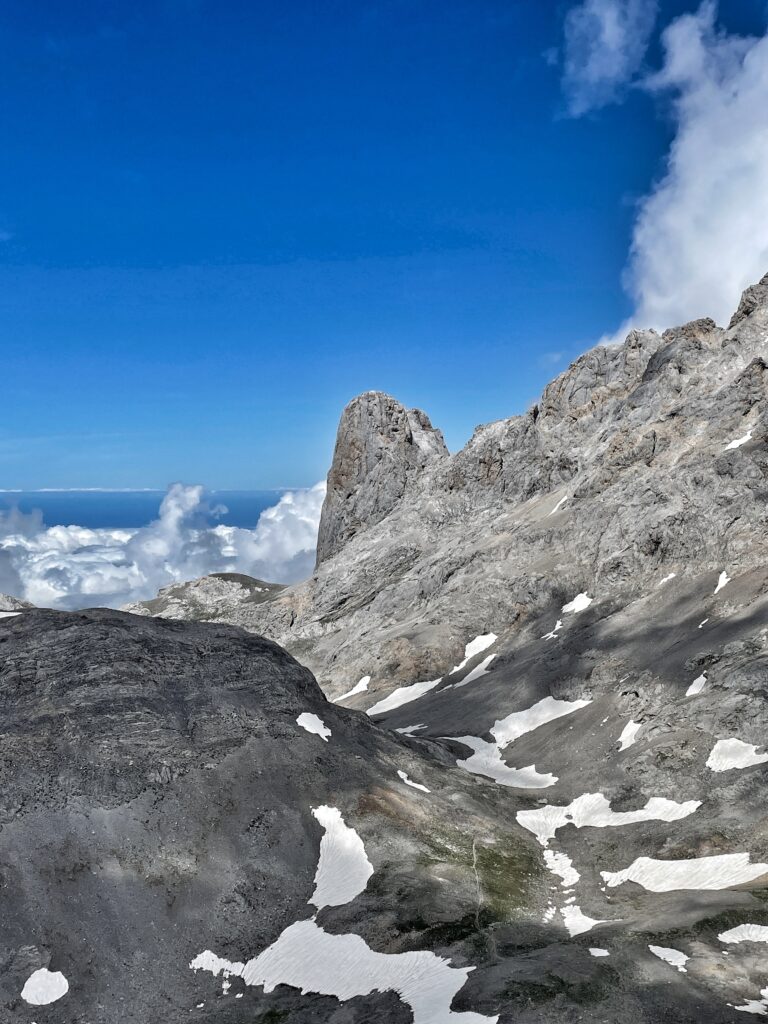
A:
558,506
402,695
578,604
671,956
408,730
553,632
698,683
597,951
667,579
43,987
314,725
745,933
720,872
629,734
594,810
733,753
477,646
476,673
505,730
722,580
487,760
577,922
360,687
409,782
308,958
738,442
561,864
343,869
8,615
756,1006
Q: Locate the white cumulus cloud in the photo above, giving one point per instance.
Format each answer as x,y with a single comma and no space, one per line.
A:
604,45
76,567
701,235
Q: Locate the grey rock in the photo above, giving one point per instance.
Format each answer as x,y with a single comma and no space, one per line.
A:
155,801
381,447
639,478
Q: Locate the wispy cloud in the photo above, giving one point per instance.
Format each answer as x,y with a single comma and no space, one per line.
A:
550,359
605,42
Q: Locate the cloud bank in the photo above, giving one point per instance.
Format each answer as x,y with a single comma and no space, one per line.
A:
604,45
75,567
701,234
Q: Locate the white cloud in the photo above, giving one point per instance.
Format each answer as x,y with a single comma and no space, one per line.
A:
701,236
605,43
74,567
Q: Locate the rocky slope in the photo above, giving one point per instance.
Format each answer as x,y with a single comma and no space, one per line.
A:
174,789
574,610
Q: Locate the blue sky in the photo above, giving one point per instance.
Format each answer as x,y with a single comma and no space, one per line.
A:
220,222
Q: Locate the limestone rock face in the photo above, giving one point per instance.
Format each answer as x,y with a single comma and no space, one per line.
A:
573,611
381,448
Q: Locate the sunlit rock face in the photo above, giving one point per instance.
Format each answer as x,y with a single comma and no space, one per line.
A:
563,630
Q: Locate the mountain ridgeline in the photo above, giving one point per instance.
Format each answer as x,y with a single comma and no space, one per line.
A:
530,785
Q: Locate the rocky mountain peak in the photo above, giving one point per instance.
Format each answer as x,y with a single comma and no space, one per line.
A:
380,448
752,299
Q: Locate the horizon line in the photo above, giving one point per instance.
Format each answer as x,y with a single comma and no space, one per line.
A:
141,490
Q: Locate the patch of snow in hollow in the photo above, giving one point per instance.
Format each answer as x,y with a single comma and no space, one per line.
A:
722,579
597,951
549,913
477,646
314,725
738,442
594,810
629,734
733,753
506,730
561,864
216,965
667,579
745,933
306,957
756,1006
226,985
402,695
343,869
720,872
697,685
577,922
8,615
578,604
409,782
475,673
558,506
553,632
43,987
671,956
360,687
702,623
487,760
408,730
